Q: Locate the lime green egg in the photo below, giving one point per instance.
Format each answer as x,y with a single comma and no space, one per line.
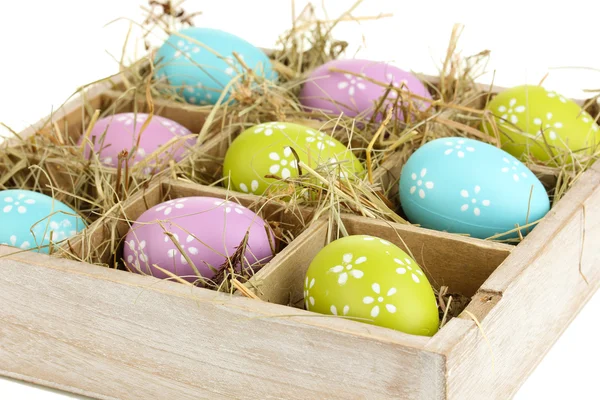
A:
373,281
544,124
262,157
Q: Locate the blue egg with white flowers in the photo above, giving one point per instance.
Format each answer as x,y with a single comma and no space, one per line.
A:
466,186
201,64
32,221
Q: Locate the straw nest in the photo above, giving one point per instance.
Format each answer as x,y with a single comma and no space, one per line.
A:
50,161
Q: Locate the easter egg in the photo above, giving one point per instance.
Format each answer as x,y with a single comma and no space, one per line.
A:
33,221
202,230
536,121
353,92
366,277
466,186
199,63
161,141
262,154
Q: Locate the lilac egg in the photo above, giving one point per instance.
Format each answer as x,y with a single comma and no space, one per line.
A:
208,229
119,132
334,92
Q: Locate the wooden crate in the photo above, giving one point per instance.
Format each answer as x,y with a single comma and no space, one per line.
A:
108,333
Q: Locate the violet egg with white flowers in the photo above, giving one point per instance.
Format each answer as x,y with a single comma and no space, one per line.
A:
161,141
355,87
197,235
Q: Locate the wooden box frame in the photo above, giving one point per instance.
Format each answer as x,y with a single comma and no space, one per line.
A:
113,334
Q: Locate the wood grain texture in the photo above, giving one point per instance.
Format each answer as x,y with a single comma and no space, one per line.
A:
114,334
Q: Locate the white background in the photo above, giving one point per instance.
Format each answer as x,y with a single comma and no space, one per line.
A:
49,48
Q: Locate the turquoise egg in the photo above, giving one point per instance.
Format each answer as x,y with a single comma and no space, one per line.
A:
465,186
30,220
199,63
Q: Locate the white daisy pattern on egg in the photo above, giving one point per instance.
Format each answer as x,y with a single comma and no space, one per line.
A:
168,206
406,266
334,163
283,162
382,241
18,204
185,48
253,187
457,147
188,248
267,128
230,206
173,127
509,112
348,268
513,168
419,184
131,118
232,68
58,230
320,138
138,255
474,202
344,311
380,301
548,125
351,83
553,95
308,299
14,242
402,85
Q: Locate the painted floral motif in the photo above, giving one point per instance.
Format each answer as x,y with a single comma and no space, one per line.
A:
253,187
186,247
345,309
402,85
58,230
548,126
19,204
509,113
308,299
352,83
184,48
168,206
458,147
382,241
380,300
320,138
268,128
283,162
174,128
138,255
406,266
231,62
553,95
13,241
230,206
513,168
476,210
419,184
197,94
130,118
347,269
334,163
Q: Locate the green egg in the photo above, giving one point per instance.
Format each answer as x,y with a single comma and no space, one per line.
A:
533,120
263,155
374,281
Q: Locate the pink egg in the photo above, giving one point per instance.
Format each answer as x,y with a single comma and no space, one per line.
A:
208,229
119,132
334,92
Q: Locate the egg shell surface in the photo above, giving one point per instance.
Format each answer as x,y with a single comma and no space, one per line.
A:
335,92
532,118
113,134
199,63
208,229
265,149
366,277
466,186
32,220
